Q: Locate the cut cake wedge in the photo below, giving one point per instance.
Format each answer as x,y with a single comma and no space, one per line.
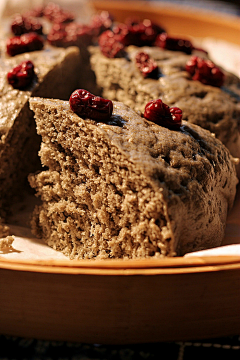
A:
128,188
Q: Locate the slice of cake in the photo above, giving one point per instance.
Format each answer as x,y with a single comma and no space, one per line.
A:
55,77
128,188
215,108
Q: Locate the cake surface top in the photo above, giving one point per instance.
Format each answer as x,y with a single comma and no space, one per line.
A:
173,83
12,100
168,156
216,109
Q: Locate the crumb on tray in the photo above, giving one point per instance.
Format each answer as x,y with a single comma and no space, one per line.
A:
6,242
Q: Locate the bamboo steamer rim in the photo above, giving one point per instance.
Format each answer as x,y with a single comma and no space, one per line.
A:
126,267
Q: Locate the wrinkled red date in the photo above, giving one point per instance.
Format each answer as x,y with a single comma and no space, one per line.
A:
21,25
165,41
142,33
21,75
147,66
205,71
110,45
133,32
85,104
161,114
24,43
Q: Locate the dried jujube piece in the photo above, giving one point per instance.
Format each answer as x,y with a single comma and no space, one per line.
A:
22,25
205,71
87,105
133,32
161,114
146,65
111,45
167,42
24,43
21,75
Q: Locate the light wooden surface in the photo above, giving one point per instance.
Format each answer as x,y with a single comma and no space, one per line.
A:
119,302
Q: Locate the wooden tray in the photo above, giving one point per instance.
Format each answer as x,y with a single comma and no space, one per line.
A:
119,302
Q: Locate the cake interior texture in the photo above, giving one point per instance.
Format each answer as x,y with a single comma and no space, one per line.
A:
19,144
128,188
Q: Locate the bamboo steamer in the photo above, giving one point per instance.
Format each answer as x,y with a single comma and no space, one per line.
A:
134,301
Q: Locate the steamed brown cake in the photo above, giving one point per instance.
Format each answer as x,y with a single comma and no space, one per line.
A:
55,77
128,188
215,109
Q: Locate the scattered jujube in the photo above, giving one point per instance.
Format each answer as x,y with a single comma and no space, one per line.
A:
21,75
167,42
24,43
161,114
85,104
205,71
147,66
22,25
